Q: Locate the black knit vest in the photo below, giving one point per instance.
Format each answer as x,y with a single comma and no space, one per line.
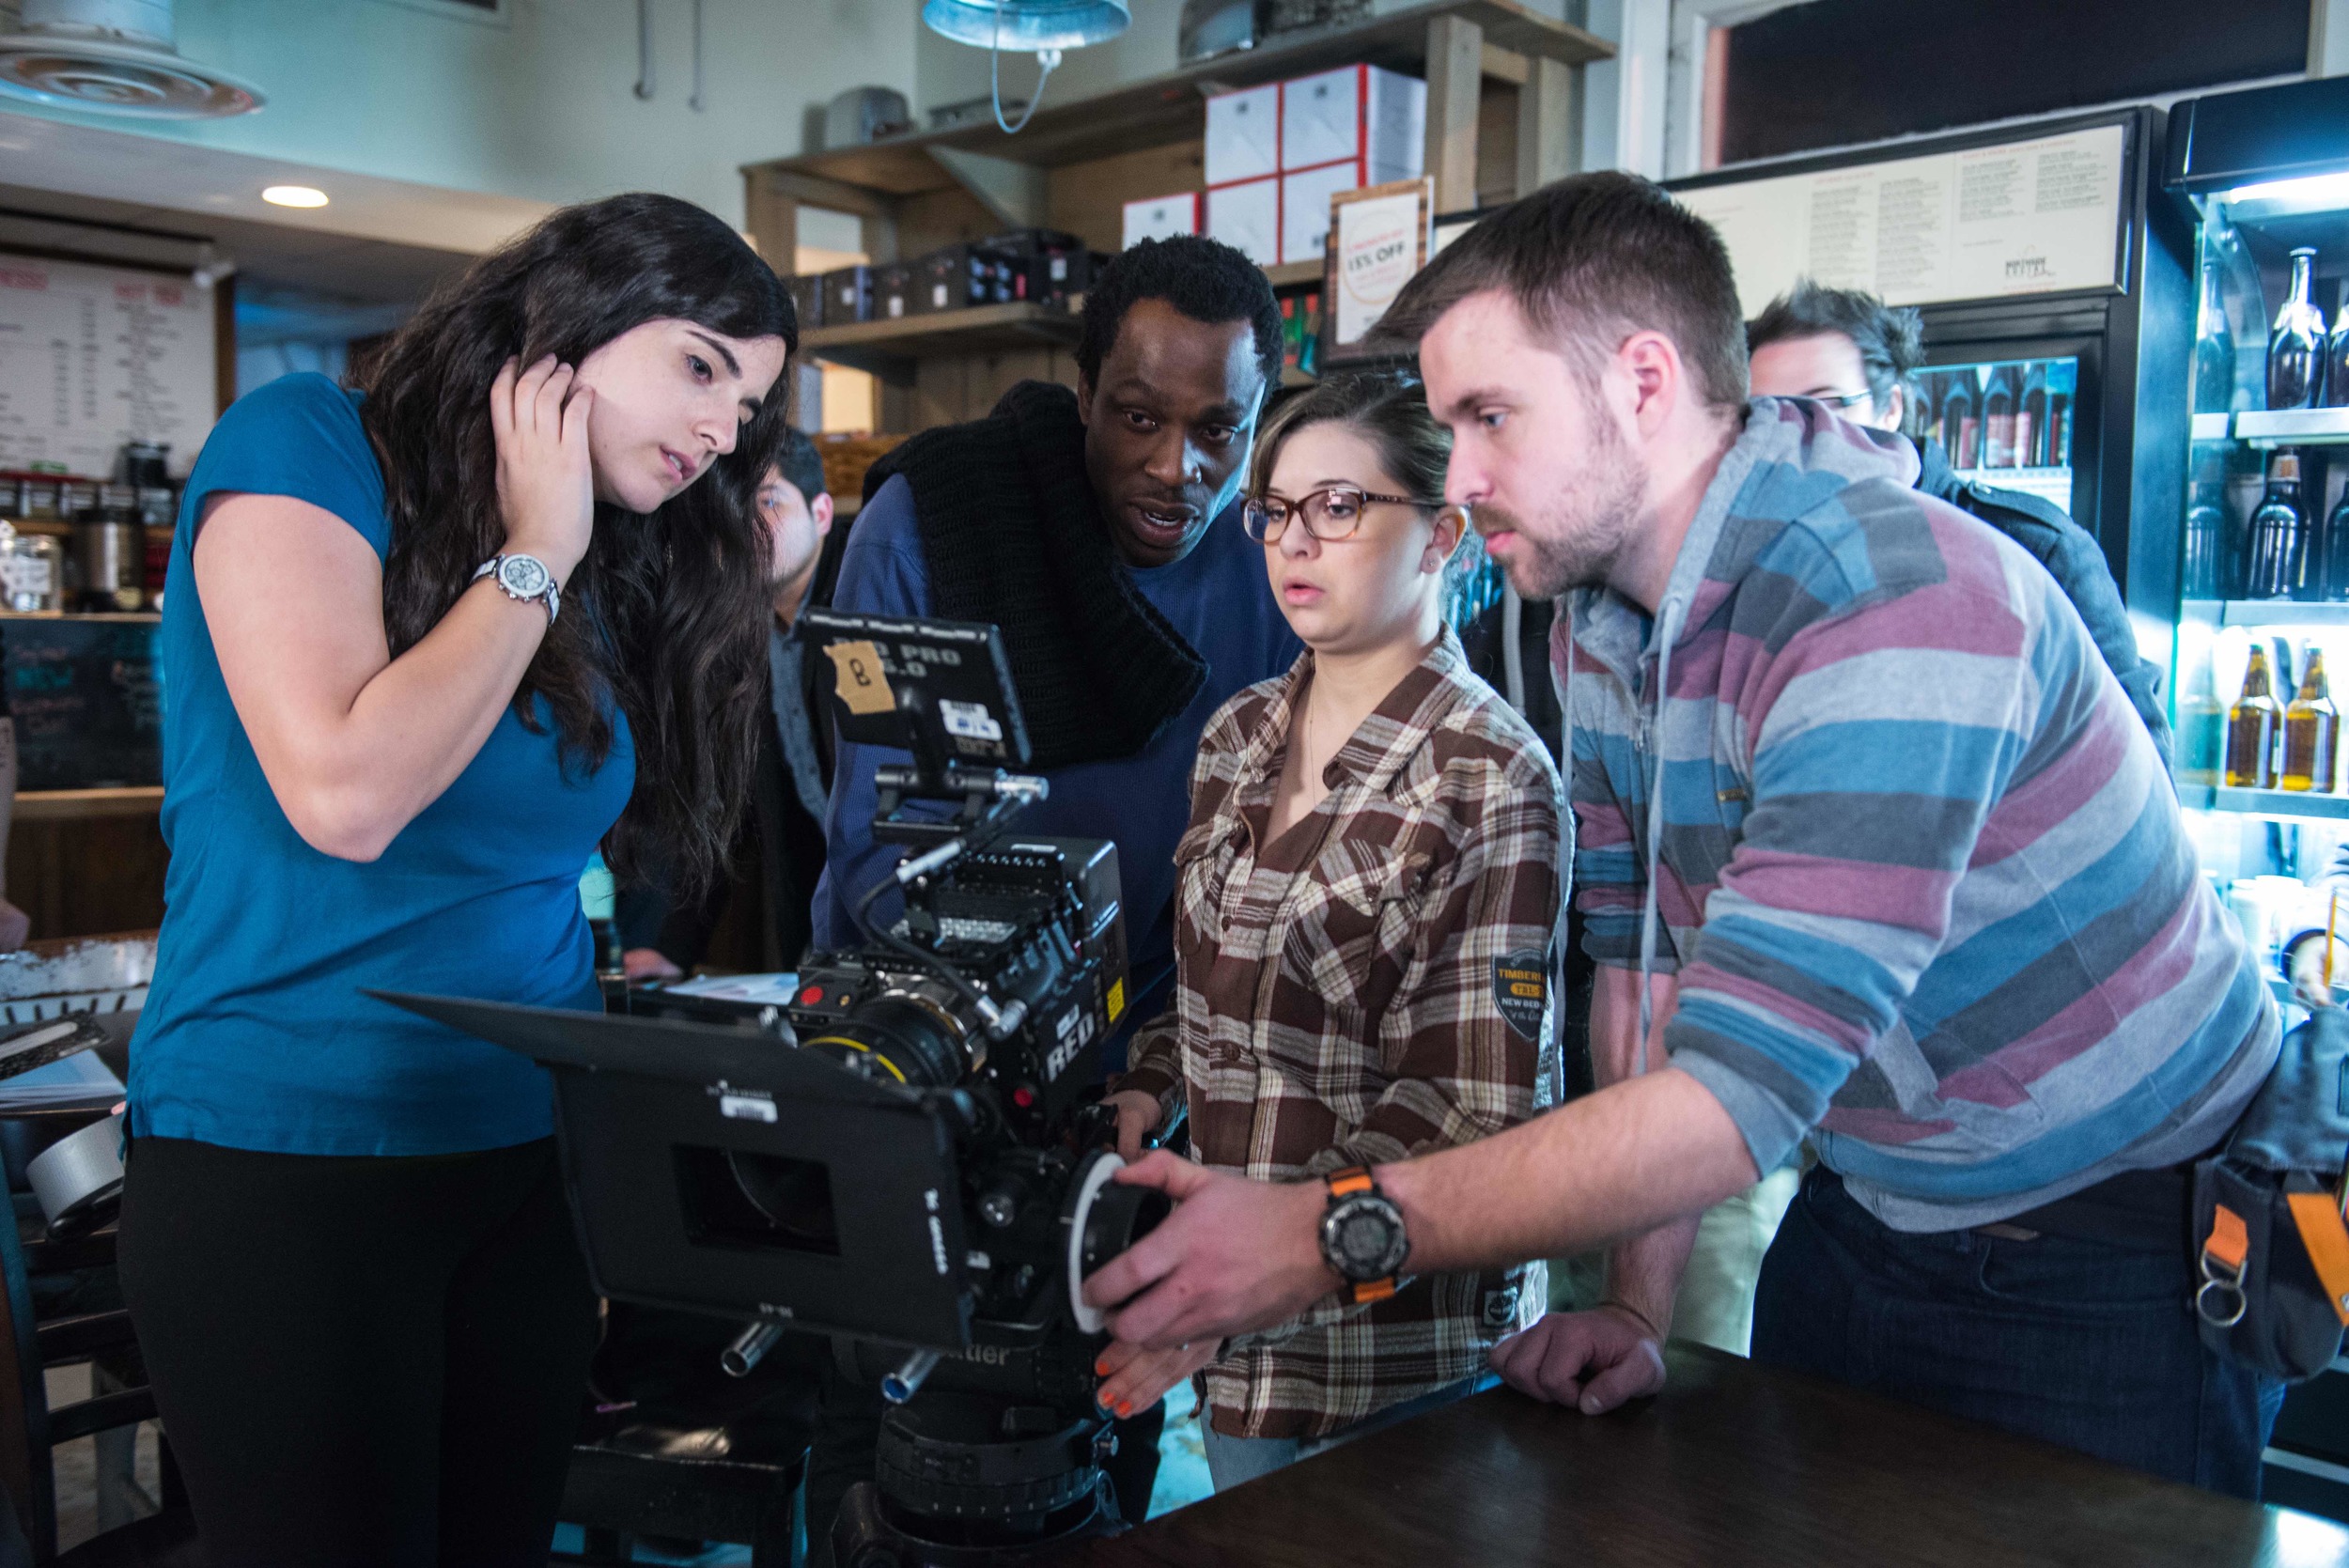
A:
1012,535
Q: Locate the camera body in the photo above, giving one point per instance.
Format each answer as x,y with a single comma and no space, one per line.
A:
909,1153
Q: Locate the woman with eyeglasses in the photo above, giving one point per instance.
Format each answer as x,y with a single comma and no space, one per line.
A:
1363,916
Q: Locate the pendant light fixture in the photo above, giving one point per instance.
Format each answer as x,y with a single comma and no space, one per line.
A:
1046,26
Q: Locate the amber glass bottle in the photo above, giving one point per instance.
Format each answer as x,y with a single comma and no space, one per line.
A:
2252,728
2311,732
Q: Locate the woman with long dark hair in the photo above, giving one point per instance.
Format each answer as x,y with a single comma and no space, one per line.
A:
429,643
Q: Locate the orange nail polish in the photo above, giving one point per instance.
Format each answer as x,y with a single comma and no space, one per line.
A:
1100,1366
1125,1408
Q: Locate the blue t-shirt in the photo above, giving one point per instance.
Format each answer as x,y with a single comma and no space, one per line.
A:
1217,597
255,1034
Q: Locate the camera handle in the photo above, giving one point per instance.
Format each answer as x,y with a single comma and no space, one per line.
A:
1000,1022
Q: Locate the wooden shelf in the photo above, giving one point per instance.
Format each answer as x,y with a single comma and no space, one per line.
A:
976,330
1290,273
1166,108
56,805
137,617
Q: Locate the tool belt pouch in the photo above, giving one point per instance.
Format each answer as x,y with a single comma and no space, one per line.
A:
2271,1250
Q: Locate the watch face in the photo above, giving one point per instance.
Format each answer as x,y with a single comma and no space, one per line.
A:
1365,1238
523,576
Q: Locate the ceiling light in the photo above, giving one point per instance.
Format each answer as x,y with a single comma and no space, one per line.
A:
294,196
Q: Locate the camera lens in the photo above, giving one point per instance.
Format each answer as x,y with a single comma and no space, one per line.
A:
911,1038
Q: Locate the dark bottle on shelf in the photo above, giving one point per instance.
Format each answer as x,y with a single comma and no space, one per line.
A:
2214,346
2295,350
2030,420
2279,535
2337,360
1960,427
2336,537
1997,419
1917,407
2205,570
2253,724
2311,732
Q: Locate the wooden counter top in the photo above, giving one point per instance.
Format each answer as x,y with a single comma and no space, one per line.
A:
1731,1465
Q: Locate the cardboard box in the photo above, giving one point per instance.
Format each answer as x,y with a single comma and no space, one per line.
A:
847,296
1247,217
955,278
807,298
892,291
1041,265
1305,206
1162,217
1244,134
1356,112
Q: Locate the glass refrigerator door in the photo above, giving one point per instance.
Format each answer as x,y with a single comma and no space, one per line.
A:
2264,571
2003,421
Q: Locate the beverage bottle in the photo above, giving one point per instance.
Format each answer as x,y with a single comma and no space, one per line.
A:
2295,350
1997,419
2337,361
2279,535
2030,421
2252,724
1959,425
2202,735
2337,551
2205,541
2062,383
2311,732
2214,347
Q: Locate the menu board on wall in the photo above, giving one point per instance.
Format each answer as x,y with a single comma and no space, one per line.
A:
2036,217
92,357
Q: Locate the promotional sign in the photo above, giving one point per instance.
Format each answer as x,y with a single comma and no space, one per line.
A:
1377,241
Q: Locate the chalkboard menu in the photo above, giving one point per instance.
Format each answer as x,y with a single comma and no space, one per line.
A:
89,698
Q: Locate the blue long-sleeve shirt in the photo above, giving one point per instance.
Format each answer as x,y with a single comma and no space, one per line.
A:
1217,597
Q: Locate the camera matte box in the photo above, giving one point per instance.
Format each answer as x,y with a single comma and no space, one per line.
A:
647,1107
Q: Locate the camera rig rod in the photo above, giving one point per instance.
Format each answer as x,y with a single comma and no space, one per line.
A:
903,1384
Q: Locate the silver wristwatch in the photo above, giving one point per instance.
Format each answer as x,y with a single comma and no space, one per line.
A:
524,578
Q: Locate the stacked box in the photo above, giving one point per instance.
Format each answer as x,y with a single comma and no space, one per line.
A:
1275,155
847,296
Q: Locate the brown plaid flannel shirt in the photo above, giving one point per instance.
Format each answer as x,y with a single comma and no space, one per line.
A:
1338,1001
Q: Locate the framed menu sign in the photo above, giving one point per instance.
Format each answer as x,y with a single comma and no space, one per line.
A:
1377,241
2032,217
93,356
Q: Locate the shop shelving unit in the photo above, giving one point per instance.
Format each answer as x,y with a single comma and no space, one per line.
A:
1502,93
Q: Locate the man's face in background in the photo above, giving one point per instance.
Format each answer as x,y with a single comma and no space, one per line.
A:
1826,366
796,525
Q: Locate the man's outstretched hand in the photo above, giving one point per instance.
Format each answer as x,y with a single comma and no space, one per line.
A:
1592,1360
1235,1255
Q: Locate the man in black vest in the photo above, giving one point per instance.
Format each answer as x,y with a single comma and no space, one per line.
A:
1851,351
1099,529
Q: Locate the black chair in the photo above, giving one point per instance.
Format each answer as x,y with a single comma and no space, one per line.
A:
32,1343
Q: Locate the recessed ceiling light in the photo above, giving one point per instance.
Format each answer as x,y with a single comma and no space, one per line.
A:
294,196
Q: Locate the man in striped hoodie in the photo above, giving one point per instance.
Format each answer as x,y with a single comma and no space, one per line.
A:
1892,867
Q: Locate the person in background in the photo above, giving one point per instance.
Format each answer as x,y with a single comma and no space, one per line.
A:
430,642
781,854
1384,827
1859,355
1851,774
1100,530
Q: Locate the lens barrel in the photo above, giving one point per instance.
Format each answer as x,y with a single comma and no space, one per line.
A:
915,1040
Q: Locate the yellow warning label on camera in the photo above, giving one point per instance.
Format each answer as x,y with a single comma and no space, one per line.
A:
1116,1000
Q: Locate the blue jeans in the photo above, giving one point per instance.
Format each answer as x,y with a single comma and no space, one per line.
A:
2085,1344
1233,1460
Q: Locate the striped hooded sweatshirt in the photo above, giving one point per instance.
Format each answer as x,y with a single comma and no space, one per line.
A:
1917,868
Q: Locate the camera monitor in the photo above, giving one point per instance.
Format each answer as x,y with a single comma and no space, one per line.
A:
725,1170
940,689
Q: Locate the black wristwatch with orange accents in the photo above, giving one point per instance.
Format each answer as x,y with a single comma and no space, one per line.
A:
1361,1237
